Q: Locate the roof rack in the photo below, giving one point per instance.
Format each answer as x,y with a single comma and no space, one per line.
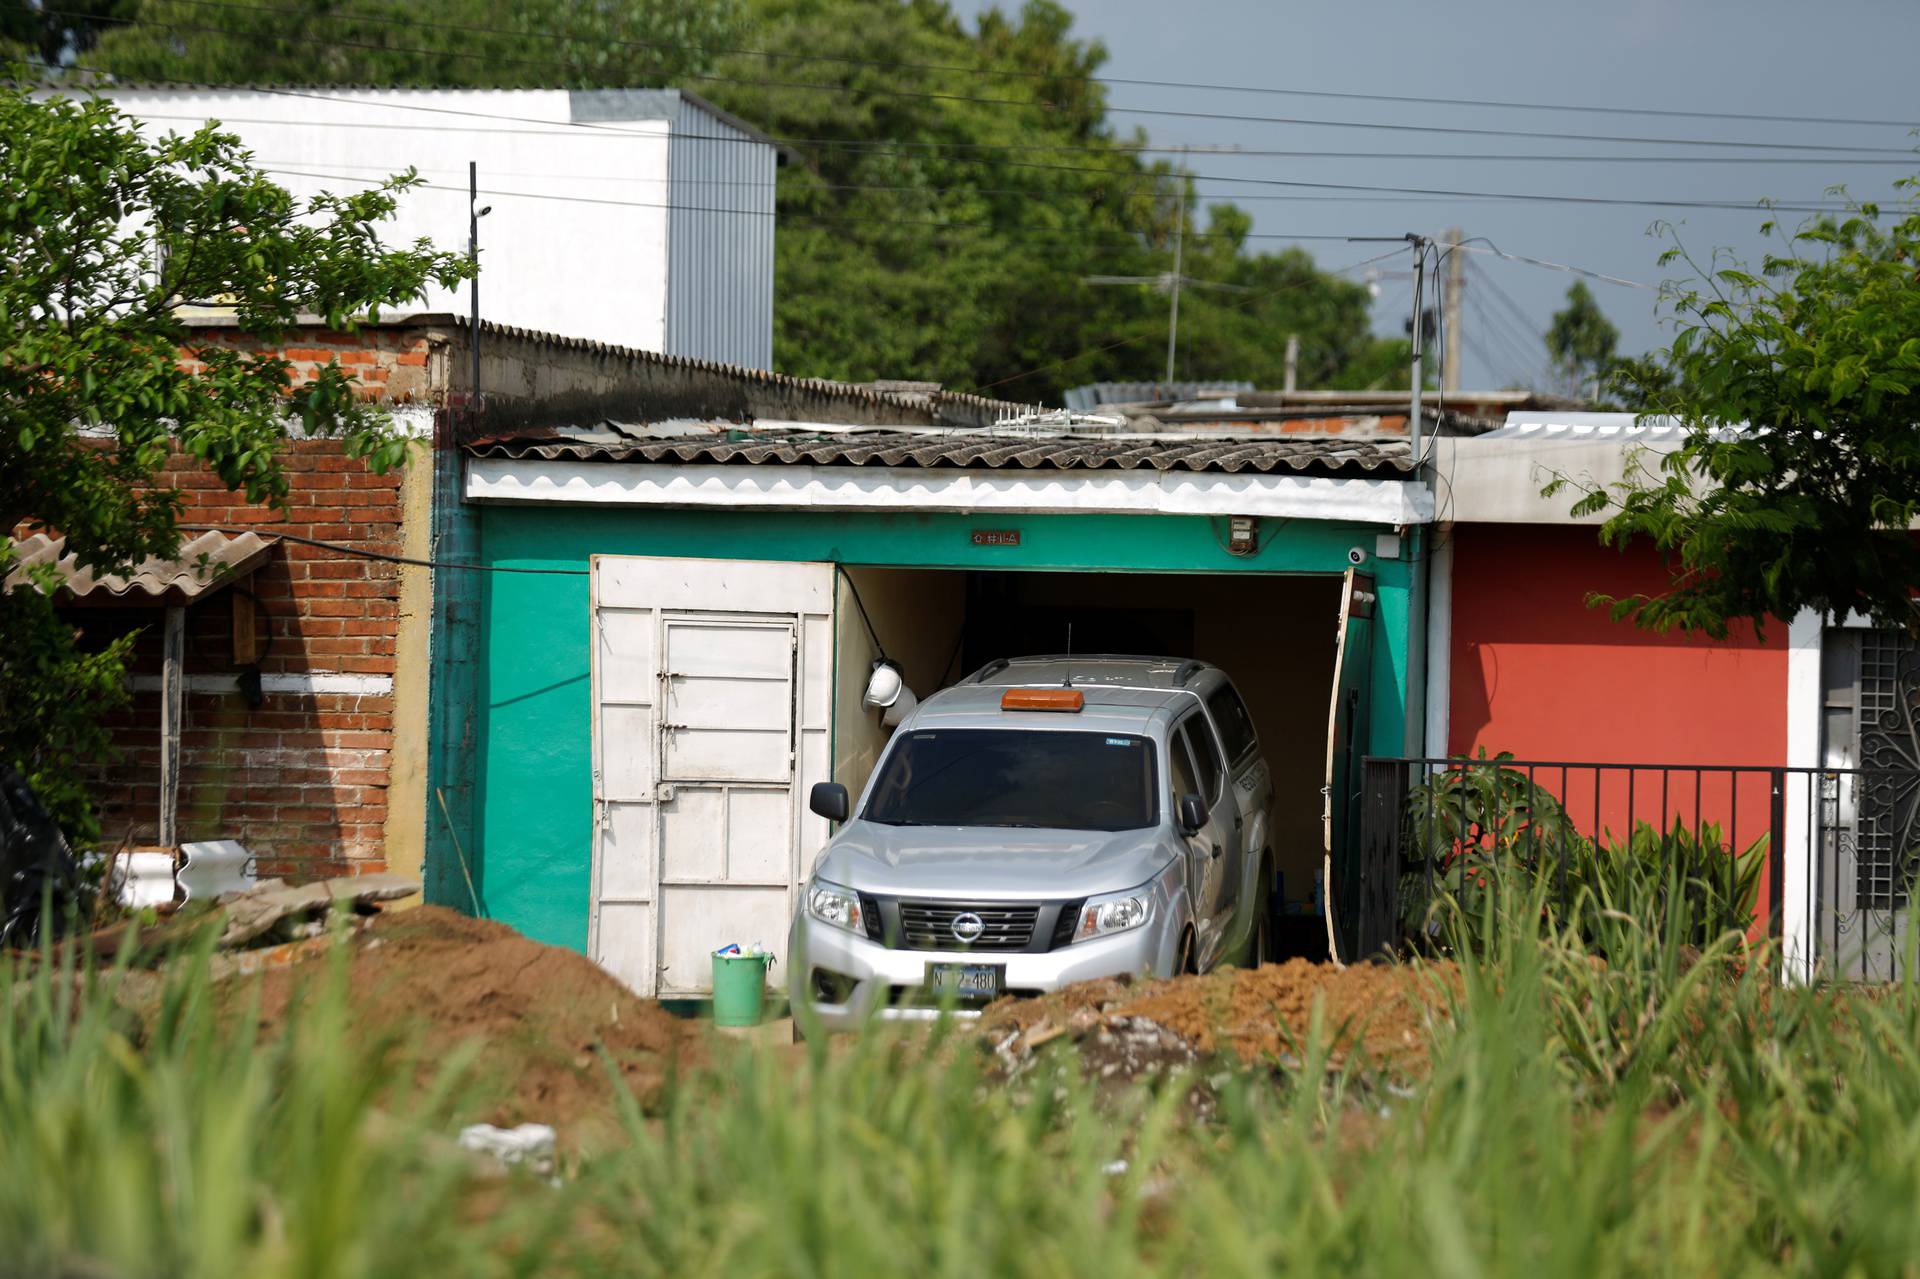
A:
1186,671
994,667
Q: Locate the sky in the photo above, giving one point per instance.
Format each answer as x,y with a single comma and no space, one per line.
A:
1845,58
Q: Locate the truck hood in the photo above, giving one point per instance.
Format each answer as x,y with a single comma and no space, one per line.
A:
980,863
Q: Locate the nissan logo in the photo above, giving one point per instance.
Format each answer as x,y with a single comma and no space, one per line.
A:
968,926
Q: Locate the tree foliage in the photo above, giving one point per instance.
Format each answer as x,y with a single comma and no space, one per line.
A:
1797,485
439,43
933,224
105,235
1581,340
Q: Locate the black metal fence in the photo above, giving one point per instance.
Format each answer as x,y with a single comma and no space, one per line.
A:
1823,861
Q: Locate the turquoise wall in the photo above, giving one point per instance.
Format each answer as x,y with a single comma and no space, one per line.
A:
532,758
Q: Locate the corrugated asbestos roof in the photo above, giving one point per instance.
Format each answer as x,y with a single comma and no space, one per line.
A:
205,564
979,450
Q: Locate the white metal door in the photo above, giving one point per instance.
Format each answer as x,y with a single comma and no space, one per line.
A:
712,696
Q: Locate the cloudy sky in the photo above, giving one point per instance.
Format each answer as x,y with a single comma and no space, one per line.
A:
1835,58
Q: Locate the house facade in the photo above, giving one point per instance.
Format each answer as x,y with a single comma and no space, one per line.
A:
682,608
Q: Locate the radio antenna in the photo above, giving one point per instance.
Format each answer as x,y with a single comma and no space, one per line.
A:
1068,682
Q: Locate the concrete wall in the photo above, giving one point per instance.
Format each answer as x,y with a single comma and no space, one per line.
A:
917,615
592,264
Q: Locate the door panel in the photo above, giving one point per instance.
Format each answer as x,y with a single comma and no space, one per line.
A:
697,919
1346,742
627,868
712,687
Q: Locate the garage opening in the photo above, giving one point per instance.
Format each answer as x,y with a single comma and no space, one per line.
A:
1274,635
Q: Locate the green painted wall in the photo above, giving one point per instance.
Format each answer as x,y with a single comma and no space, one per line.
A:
532,757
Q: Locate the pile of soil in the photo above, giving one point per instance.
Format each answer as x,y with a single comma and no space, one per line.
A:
539,1016
1382,1011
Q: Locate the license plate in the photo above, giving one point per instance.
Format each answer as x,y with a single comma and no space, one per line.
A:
964,981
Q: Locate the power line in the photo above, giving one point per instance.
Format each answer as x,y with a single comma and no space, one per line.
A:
558,129
1053,78
801,218
1127,184
923,95
1141,337
1486,277
1480,244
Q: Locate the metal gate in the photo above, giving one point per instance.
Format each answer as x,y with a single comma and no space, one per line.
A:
1869,847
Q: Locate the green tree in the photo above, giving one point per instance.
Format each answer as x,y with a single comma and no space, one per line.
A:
938,223
105,234
429,43
1797,485
50,35
1581,340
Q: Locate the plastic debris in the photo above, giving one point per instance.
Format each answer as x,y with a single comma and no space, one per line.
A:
529,1145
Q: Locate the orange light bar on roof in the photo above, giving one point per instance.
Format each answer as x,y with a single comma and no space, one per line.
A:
1042,699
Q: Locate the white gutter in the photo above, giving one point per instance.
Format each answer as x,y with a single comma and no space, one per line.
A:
872,488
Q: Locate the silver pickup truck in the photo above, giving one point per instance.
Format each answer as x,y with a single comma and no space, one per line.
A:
1045,821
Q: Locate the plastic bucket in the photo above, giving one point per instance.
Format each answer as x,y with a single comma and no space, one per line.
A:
739,989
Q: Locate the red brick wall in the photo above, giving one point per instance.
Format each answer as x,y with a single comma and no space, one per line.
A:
302,780
391,364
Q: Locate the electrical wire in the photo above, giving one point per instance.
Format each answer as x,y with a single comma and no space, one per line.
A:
1052,78
1157,336
923,95
1281,182
1119,147
381,556
1480,244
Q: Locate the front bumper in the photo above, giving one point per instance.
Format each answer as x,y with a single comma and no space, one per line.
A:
881,981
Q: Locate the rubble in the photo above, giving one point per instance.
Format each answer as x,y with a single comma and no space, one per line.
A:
1125,1030
292,912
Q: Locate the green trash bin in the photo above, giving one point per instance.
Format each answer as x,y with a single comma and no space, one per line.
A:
739,989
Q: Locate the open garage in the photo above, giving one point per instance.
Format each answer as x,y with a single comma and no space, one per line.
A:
1274,635
676,646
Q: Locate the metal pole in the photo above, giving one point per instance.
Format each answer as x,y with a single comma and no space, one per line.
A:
1173,316
1293,362
1419,243
473,256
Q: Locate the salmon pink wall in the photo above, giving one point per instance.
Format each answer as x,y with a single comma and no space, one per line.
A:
1538,673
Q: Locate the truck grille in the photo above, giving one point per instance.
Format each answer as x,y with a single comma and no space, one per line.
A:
929,925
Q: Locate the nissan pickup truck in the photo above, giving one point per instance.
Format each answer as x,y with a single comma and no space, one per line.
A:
1047,820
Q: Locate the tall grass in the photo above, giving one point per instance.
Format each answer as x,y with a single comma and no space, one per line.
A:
1667,1110
145,1132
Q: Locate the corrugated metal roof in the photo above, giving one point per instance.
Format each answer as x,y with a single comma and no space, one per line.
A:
978,450
205,564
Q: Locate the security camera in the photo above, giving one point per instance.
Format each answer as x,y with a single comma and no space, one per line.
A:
1356,556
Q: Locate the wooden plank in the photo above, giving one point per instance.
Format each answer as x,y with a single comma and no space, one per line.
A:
172,711
246,631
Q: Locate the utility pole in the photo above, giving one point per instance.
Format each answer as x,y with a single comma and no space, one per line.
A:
1173,316
474,214
1450,323
1293,362
1420,243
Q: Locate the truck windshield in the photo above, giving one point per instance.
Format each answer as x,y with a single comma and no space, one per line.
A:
1015,777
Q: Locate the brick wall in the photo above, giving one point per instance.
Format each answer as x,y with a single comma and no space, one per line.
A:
303,778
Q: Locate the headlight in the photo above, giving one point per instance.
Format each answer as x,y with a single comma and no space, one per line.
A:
1114,913
832,904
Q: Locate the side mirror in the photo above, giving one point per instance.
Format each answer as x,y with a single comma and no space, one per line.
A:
829,800
1193,814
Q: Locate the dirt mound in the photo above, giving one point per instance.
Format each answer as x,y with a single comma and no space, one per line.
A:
539,1016
1381,1010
